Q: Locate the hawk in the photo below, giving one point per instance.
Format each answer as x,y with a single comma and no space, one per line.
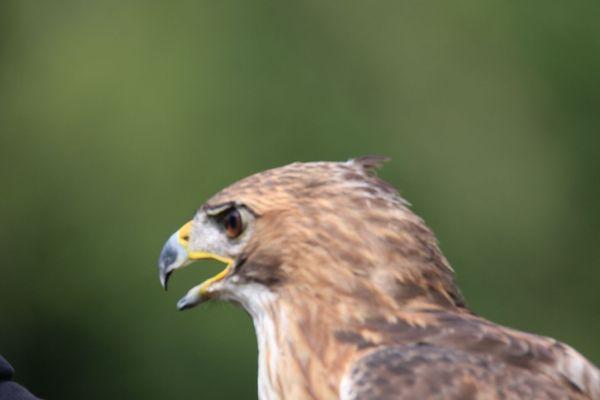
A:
352,298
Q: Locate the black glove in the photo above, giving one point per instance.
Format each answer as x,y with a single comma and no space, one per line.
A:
10,390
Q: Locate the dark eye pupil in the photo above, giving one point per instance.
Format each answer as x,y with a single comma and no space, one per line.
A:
232,222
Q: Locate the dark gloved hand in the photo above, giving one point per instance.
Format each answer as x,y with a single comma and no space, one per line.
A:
10,390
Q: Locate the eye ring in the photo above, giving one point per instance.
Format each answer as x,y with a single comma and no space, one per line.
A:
233,224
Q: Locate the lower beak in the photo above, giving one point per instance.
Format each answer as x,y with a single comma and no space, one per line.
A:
176,254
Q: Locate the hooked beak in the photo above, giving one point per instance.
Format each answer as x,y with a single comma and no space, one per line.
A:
176,254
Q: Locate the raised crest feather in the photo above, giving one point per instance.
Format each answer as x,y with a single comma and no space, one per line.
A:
371,162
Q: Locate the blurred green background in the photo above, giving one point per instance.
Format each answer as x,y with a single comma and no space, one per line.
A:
118,119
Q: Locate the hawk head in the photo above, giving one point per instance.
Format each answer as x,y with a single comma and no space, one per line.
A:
329,232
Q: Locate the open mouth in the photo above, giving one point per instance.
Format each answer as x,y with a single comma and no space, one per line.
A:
175,255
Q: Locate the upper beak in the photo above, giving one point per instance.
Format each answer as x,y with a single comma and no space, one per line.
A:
173,256
176,254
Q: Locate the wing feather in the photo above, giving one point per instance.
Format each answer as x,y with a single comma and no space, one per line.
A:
422,371
460,356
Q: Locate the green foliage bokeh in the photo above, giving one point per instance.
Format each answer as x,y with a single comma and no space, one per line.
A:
118,119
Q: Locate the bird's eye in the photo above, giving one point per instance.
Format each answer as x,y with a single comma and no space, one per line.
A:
232,222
